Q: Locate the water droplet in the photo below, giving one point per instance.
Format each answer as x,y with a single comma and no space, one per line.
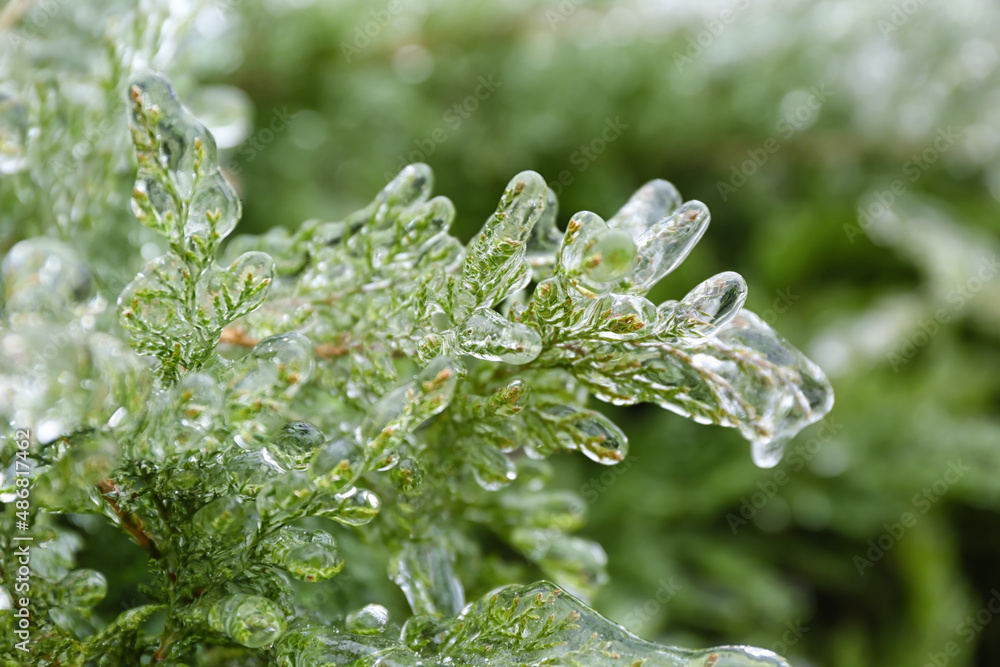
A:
651,203
706,309
43,275
486,334
667,243
250,620
227,516
84,588
337,464
371,619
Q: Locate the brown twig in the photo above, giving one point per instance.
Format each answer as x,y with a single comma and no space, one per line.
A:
235,335
131,522
12,13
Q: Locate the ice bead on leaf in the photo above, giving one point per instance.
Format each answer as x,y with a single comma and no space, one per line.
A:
249,471
746,376
43,275
486,334
250,620
495,264
323,646
288,492
545,239
706,309
601,440
199,401
313,561
227,516
651,203
13,135
180,190
579,564
148,306
337,463
371,619
595,253
299,438
291,355
403,409
624,317
84,588
424,570
411,187
666,244
353,507
491,468
232,292
556,628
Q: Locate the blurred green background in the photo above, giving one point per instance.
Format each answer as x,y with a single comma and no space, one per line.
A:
850,155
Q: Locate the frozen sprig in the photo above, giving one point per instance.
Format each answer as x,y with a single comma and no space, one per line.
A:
380,383
178,306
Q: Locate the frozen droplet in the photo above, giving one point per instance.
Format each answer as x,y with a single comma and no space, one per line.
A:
407,476
494,265
651,203
13,135
582,232
601,440
611,257
214,209
286,492
291,354
250,620
199,400
148,306
355,507
491,468
313,561
371,619
253,469
551,303
434,387
624,317
425,571
543,244
486,334
228,516
43,275
510,399
666,243
83,588
337,463
706,309
227,294
299,438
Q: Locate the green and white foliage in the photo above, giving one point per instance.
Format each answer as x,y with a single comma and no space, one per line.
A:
378,386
